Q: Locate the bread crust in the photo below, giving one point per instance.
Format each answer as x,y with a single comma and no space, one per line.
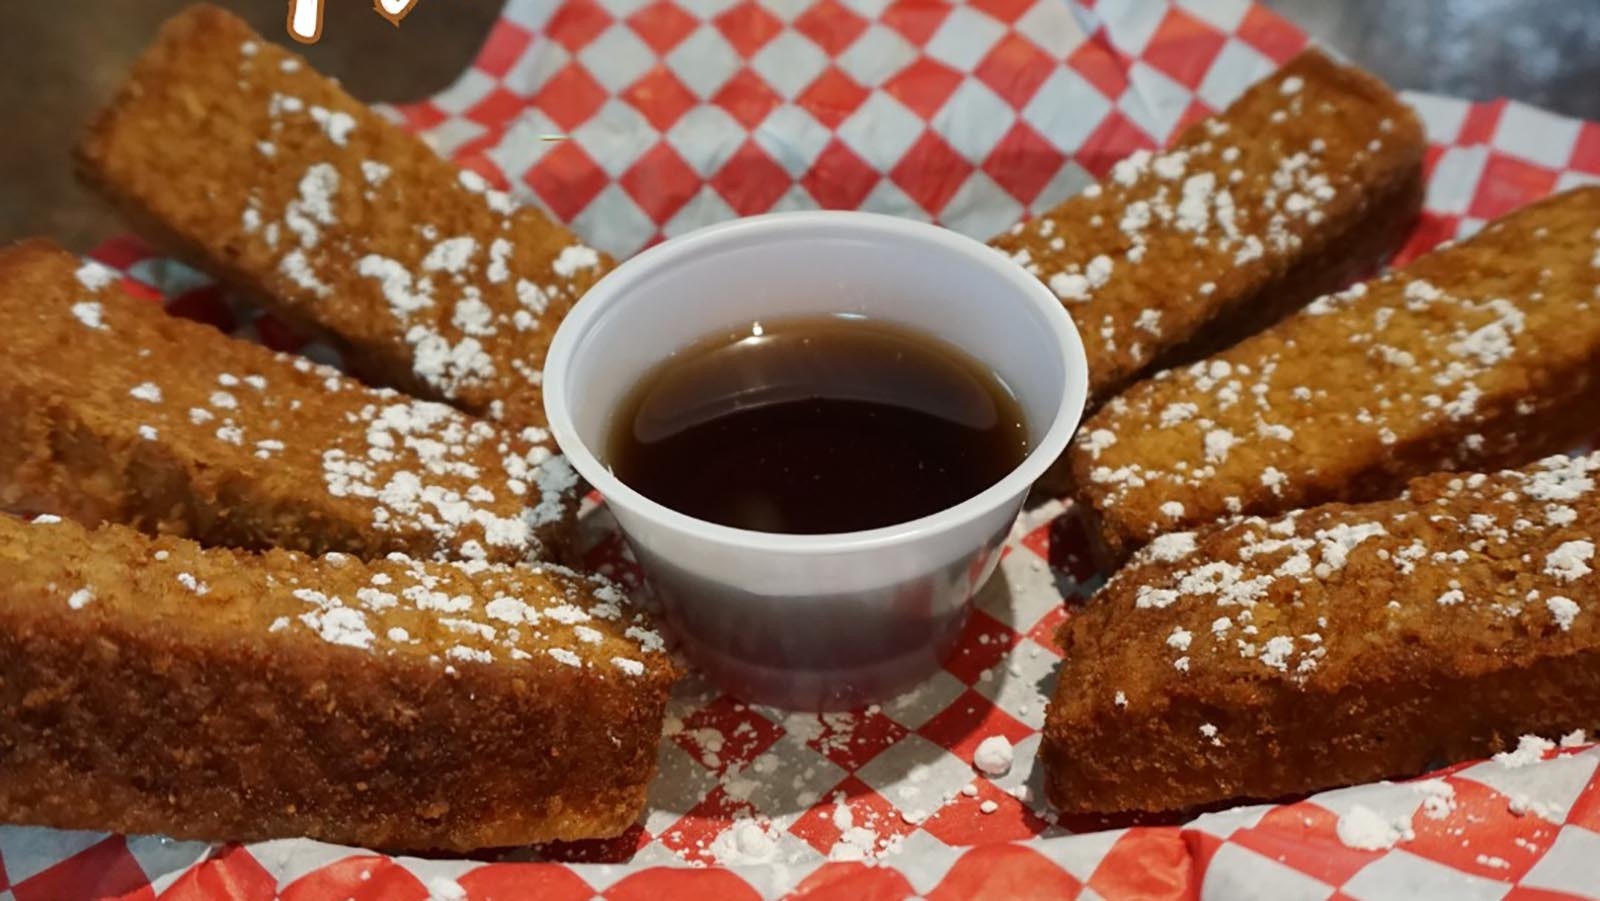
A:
112,410
1257,660
230,151
156,687
1482,354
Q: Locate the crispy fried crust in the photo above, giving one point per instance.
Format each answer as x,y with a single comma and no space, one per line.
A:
1342,644
1309,179
155,687
1479,355
111,410
234,153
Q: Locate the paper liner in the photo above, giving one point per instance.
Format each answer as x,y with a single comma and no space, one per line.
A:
678,114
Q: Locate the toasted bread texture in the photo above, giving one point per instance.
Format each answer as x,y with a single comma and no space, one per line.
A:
1342,644
112,410
235,154
152,686
1309,179
1480,355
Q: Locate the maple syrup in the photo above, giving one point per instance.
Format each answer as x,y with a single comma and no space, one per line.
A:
816,425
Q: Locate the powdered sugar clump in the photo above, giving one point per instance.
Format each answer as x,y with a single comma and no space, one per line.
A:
1365,829
573,258
317,246
89,313
427,468
993,755
1530,750
340,625
1570,561
1562,611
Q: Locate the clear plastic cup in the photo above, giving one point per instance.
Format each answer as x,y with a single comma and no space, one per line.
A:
816,622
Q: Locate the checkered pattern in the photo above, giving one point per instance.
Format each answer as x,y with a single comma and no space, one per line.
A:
680,113
675,115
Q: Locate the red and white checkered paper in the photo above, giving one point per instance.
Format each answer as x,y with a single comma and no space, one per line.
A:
683,112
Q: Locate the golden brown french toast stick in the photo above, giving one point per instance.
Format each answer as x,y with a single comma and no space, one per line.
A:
152,686
234,153
1482,354
1308,180
1261,659
112,410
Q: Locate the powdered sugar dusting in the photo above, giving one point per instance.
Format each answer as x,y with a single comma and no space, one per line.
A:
1259,596
1562,611
423,467
1426,359
399,600
1365,829
490,341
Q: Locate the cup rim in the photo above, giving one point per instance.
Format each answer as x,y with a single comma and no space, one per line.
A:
575,326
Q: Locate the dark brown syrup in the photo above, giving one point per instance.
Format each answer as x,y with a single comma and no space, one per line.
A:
816,425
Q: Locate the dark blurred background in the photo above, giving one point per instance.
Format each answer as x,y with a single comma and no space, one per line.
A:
62,59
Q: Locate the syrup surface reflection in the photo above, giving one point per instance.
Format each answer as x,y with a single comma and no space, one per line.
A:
816,425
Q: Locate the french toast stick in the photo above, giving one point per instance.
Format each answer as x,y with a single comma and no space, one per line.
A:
112,410
1482,354
1309,179
1256,659
152,686
235,154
